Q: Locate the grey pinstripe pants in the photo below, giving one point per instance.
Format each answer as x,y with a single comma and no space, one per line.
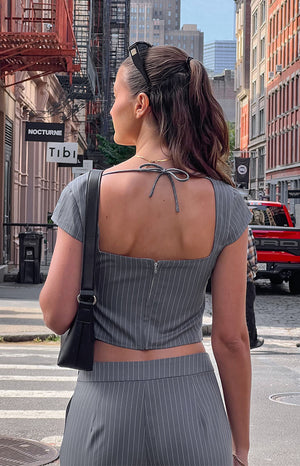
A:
163,412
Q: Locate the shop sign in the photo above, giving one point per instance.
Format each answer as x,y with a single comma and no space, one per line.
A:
37,131
64,152
294,193
242,170
87,165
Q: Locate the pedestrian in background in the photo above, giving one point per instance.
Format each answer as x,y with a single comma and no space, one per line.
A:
252,268
169,218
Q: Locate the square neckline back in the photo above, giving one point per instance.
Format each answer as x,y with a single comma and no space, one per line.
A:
175,261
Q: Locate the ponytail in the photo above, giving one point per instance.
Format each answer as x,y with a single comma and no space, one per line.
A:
190,120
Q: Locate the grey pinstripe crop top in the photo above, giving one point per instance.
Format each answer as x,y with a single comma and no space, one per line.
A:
147,304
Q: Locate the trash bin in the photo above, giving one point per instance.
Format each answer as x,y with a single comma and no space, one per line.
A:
30,249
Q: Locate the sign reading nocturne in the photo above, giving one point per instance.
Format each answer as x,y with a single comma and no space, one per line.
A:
37,131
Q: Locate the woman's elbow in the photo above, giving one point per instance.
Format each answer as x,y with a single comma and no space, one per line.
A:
58,323
55,325
231,343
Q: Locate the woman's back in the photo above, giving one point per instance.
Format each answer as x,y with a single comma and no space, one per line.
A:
133,224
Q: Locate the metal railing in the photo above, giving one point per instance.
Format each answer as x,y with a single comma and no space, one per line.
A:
11,240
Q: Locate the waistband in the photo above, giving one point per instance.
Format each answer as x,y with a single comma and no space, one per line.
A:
147,370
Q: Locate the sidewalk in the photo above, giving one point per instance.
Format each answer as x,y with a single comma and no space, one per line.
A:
21,318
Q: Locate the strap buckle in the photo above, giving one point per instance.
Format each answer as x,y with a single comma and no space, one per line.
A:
86,297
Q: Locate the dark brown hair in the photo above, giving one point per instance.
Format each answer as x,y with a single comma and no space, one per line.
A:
190,120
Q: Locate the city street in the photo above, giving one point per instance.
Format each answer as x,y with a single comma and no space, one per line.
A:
34,392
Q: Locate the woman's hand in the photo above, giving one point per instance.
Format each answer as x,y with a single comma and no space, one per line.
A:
238,461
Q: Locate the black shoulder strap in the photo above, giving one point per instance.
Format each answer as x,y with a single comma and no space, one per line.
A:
90,235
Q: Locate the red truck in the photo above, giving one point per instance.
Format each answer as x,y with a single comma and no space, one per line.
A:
277,242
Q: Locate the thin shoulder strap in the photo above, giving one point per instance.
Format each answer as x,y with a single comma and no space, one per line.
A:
90,231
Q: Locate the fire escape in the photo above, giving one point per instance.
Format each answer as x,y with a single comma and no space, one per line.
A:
110,37
38,36
84,85
82,41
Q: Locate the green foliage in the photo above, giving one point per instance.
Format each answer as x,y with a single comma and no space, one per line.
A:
112,152
231,130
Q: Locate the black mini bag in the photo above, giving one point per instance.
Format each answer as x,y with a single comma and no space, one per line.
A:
77,344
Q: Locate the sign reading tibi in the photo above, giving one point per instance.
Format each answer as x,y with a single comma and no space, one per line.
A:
63,152
37,131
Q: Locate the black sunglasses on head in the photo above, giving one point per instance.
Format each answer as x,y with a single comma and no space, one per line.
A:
138,61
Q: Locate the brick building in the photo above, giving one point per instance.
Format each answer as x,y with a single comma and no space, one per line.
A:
242,76
258,80
283,101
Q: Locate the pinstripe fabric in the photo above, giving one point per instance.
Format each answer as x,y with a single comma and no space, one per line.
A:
162,412
143,304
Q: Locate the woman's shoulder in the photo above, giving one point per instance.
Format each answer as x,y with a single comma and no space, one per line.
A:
69,213
226,189
78,185
232,210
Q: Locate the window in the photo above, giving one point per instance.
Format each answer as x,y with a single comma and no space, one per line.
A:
254,22
253,165
262,121
253,89
253,126
262,84
262,48
263,11
268,215
254,57
261,162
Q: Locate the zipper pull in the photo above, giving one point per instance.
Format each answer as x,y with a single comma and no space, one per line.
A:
155,267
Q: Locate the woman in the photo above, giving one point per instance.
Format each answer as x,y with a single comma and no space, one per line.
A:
152,397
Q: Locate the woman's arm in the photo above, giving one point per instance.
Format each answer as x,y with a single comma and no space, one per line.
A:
58,296
230,339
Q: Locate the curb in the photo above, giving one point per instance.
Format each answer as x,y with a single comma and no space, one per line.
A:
25,337
206,331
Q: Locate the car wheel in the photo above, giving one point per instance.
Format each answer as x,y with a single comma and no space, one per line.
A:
294,283
276,280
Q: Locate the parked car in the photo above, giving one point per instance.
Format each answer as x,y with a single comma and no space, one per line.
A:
277,243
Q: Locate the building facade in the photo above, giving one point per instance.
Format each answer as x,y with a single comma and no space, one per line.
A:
258,80
30,186
223,90
188,38
242,76
283,101
158,22
219,55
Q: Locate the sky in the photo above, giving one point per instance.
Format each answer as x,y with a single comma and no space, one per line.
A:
214,17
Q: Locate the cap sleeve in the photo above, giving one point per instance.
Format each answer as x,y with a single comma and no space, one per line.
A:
69,213
240,217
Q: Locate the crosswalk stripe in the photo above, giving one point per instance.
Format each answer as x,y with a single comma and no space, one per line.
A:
31,367
31,414
35,394
27,355
39,378
36,347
